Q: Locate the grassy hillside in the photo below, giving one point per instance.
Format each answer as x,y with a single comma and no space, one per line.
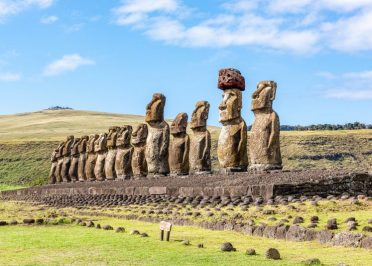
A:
26,141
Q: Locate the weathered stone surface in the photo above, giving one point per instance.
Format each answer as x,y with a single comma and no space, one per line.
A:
250,252
66,159
200,140
281,232
158,190
366,242
331,224
313,261
82,158
73,171
101,151
230,78
347,239
91,158
123,160
324,236
296,233
111,153
269,231
157,142
264,142
139,164
180,146
232,142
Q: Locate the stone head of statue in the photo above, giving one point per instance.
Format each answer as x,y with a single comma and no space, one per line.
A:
139,134
91,142
101,142
84,138
200,115
232,83
124,136
264,95
179,124
70,138
231,105
111,137
75,146
155,109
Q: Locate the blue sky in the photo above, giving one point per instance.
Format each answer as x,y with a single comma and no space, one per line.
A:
112,55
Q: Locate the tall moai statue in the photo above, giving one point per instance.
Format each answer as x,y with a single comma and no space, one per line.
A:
200,140
232,142
53,169
59,157
91,159
157,142
139,164
123,159
101,151
111,153
264,142
67,159
73,171
82,158
179,147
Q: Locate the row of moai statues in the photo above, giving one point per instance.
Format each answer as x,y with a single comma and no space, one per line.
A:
149,151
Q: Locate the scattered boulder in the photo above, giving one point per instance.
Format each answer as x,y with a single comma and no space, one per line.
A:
90,224
367,228
134,232
98,226
331,224
227,247
298,220
119,229
312,225
13,222
296,233
107,227
3,223
185,242
313,261
250,252
272,253
29,221
200,245
314,219
144,235
324,236
352,225
39,221
268,212
350,219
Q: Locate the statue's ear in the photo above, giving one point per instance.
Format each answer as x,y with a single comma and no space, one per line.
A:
273,93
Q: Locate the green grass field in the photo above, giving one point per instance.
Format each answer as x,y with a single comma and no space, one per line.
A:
71,244
26,142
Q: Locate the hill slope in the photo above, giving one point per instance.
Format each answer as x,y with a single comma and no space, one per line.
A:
26,141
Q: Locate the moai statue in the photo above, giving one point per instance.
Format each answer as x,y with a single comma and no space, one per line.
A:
111,154
73,171
54,159
200,140
67,159
139,164
157,142
232,142
123,160
59,157
179,147
82,158
101,151
91,159
264,142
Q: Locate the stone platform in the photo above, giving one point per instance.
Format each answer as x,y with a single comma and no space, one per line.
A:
267,186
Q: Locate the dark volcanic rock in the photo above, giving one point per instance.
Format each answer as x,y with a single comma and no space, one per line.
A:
107,227
324,236
313,261
272,253
250,252
120,229
367,228
29,221
298,220
347,239
331,224
227,247
366,242
3,223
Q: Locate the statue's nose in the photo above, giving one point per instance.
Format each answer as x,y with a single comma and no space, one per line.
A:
222,106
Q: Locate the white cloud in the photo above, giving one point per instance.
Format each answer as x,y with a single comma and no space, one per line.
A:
66,63
300,26
351,86
48,20
350,94
12,7
10,76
